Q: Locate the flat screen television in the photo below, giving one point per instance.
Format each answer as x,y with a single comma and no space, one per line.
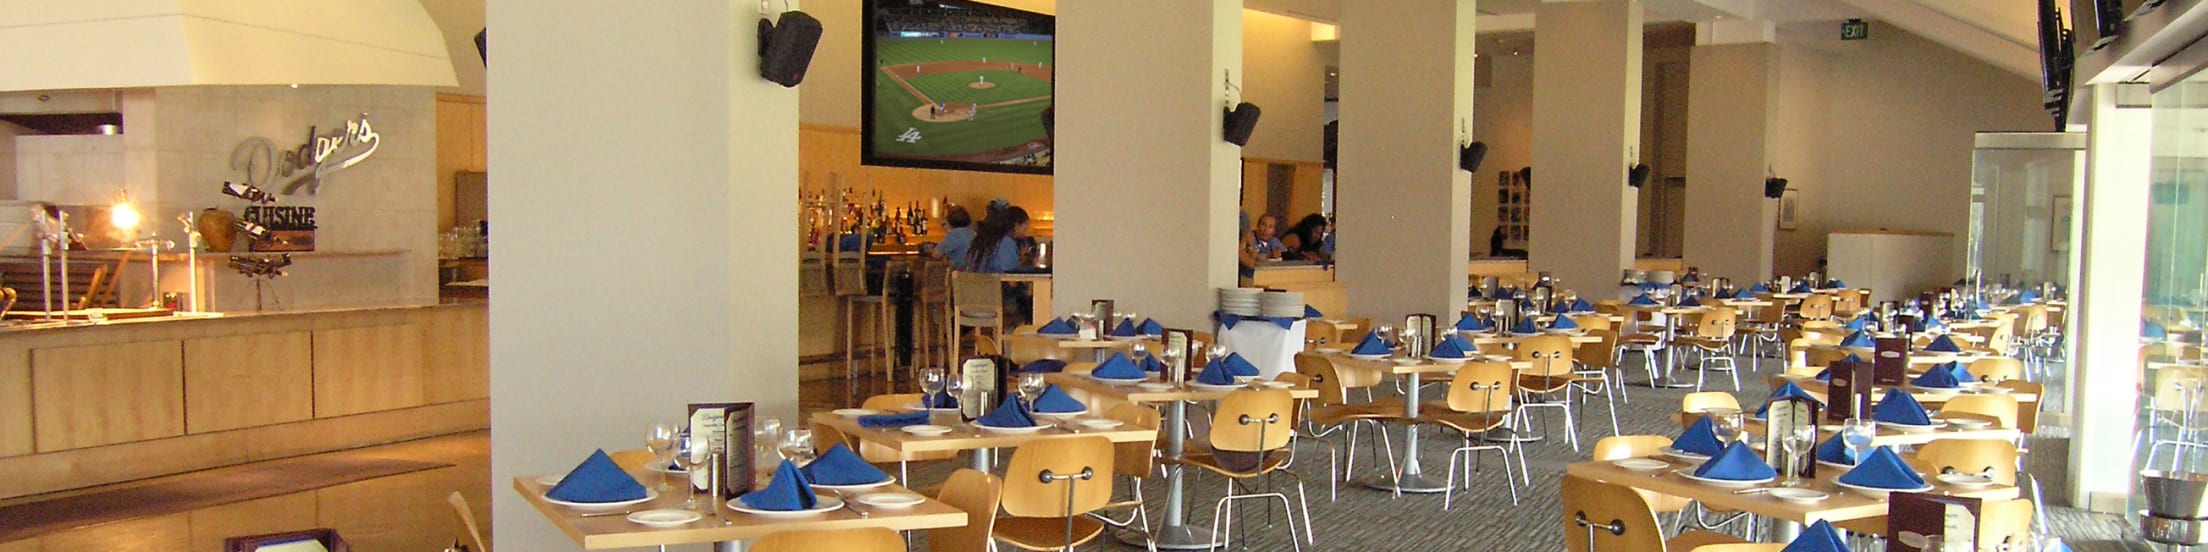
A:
952,84
2057,56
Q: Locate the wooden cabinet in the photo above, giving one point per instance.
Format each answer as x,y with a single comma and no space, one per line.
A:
95,395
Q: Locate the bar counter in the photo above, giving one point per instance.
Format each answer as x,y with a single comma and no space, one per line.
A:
91,404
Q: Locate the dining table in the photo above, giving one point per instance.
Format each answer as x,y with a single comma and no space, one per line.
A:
1922,395
1176,534
1099,349
1787,517
1888,436
725,528
976,441
1916,356
1412,477
1669,330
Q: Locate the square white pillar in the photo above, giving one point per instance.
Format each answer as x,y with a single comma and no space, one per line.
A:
1732,111
1586,130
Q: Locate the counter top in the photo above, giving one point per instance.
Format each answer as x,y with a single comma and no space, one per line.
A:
15,327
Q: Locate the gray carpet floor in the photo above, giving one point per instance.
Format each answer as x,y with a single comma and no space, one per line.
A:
1483,516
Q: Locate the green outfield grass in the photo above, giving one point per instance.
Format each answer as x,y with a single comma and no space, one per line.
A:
900,51
992,129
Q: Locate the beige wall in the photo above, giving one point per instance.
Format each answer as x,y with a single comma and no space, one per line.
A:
1503,118
460,139
1284,75
8,133
1728,228
1878,134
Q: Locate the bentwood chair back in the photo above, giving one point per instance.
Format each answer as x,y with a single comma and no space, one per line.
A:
1551,355
1997,369
869,539
1705,401
2027,417
1630,446
977,301
1598,354
1049,487
1815,307
1607,517
1364,326
1321,334
1134,458
1995,458
1716,324
2001,408
827,436
976,493
467,519
1483,388
1254,421
2005,524
1324,377
1592,322
633,460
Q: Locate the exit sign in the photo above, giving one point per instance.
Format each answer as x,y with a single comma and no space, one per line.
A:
1855,29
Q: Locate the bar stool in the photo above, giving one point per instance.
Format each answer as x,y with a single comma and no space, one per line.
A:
977,301
932,308
851,288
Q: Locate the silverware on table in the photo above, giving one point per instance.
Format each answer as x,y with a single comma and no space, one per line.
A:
1751,490
604,514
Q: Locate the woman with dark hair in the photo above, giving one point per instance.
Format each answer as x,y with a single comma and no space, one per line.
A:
1307,239
995,248
960,235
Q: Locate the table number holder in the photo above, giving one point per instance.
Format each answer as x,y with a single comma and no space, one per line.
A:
728,426
1891,360
1913,516
1781,417
981,374
1850,390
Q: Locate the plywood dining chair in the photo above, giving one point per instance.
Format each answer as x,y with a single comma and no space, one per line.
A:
1997,369
1479,401
977,494
1249,440
1550,382
1321,334
1050,487
880,454
466,514
1134,461
1620,447
1712,342
1332,413
1607,517
1993,458
2002,409
1600,358
1815,307
868,539
633,460
1704,401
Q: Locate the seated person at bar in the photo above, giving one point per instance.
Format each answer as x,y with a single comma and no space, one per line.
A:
1259,245
995,250
1307,239
960,235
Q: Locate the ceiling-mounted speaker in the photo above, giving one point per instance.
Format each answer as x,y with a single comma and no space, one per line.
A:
1636,175
1239,123
786,48
1470,155
482,46
1333,146
1774,187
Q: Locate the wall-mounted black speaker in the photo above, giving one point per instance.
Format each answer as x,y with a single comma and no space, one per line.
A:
1240,122
786,48
1050,122
1470,155
1636,175
1774,187
482,46
1333,145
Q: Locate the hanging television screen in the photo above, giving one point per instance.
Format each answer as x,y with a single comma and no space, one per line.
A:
958,85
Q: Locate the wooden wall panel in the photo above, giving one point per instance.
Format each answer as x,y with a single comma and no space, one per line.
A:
277,514
248,380
102,394
367,369
458,356
26,545
169,532
15,401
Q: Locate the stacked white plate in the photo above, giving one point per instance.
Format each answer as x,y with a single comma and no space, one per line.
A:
1241,301
1280,304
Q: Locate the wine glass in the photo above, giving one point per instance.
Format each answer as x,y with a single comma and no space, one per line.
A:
1856,435
1797,443
660,439
1217,353
797,446
956,386
1031,387
931,384
692,454
1729,421
1172,359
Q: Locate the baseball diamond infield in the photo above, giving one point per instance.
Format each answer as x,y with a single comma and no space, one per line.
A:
984,106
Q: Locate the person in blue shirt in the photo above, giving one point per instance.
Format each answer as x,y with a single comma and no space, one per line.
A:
995,247
960,236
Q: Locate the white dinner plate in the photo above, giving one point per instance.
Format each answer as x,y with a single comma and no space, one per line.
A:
1970,423
1118,381
649,494
1797,495
926,430
1906,428
1684,455
664,518
1447,360
1995,389
1965,480
1011,430
1101,424
1729,483
1878,493
1276,384
1936,390
549,481
824,504
1127,338
842,489
853,412
1406,361
1062,414
1642,464
1211,387
1155,387
889,500
1373,356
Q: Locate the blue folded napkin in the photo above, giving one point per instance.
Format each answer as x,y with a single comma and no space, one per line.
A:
1229,320
1835,450
597,479
1525,326
1448,348
939,400
1117,367
1858,323
1215,373
1760,288
1861,339
1961,373
1937,378
1313,312
1825,374
1559,307
1882,469
1472,322
2151,330
1010,413
2027,296
1788,391
1801,288
840,466
1820,537
1690,301
887,421
1372,345
1237,366
1943,344
1746,293
789,491
1736,463
1150,363
1126,329
1642,300
1563,322
1581,305
1044,366
1150,326
1835,284
1057,326
1699,438
1898,407
1929,324
1056,401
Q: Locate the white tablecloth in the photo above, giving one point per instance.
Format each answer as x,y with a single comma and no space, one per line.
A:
1264,344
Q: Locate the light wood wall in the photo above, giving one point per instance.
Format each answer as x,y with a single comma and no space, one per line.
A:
461,131
1304,195
91,405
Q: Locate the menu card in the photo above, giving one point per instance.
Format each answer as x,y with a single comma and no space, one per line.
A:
1912,517
1177,340
727,428
1420,328
1849,392
980,376
1784,415
1892,360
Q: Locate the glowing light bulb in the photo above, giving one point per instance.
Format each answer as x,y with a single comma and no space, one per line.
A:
123,215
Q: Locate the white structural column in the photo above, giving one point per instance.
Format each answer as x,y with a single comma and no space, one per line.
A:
1146,189
647,243
1732,109
1586,130
2111,258
1403,205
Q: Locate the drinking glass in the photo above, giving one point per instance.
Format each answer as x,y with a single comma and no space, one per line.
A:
1729,421
797,446
1798,443
1031,386
956,386
1856,435
659,439
931,383
692,454
1172,359
1216,353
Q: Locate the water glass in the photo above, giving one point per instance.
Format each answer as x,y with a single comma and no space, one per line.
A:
956,386
660,440
1730,422
1031,387
1857,435
691,456
931,383
1798,444
797,446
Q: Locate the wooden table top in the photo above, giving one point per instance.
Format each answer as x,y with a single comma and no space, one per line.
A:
966,437
1665,309
1138,395
1822,389
1074,343
615,531
1390,366
1024,277
1577,339
1843,505
1887,435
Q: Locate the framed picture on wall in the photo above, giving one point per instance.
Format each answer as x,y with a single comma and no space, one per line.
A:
1788,208
2059,235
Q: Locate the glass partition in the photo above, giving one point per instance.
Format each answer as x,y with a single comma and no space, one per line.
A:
2175,293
